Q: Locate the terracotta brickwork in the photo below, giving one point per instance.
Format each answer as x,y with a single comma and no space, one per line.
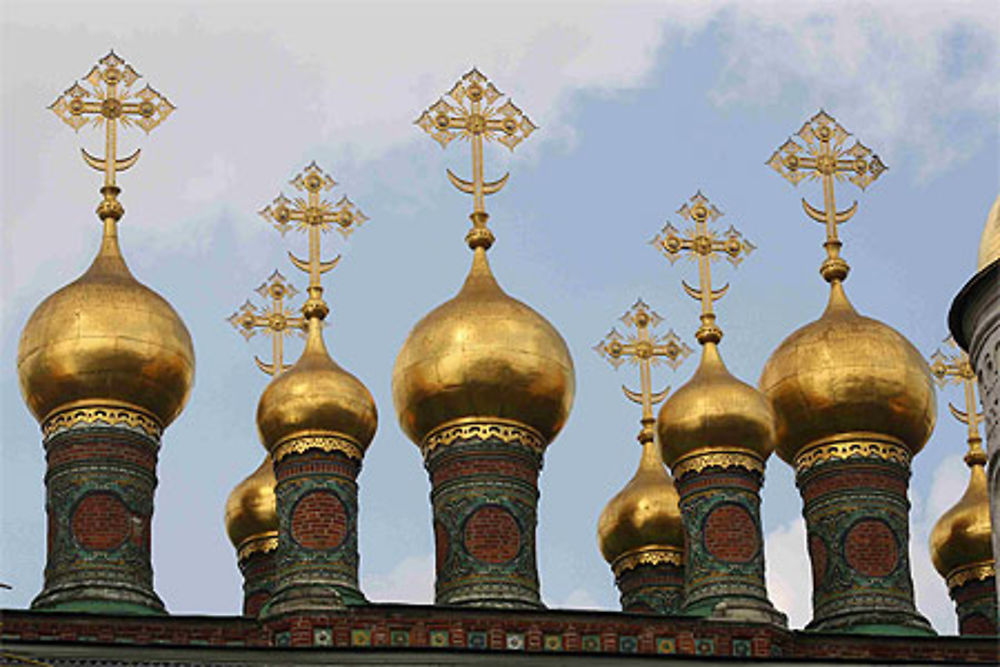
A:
976,606
652,589
484,496
856,513
316,562
99,482
257,569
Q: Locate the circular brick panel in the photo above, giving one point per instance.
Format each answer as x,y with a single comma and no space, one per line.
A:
870,548
730,534
818,557
319,521
100,521
492,535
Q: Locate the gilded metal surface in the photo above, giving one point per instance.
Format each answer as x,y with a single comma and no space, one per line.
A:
275,319
704,244
496,429
327,443
260,545
474,110
820,153
848,445
250,508
315,396
698,461
954,368
989,242
117,415
644,514
973,572
483,355
650,555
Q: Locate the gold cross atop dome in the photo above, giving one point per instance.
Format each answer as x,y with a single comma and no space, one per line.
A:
644,349
275,319
315,215
705,245
472,110
953,367
821,152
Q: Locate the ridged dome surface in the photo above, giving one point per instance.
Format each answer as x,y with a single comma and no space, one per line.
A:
251,509
645,514
989,243
315,397
483,354
846,373
961,537
715,411
106,339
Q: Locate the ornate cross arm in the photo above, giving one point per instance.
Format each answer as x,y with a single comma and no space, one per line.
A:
317,216
276,320
706,246
953,367
472,110
821,152
645,350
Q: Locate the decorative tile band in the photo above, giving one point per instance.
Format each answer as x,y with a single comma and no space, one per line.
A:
855,445
329,442
258,544
974,572
647,556
103,416
731,459
494,429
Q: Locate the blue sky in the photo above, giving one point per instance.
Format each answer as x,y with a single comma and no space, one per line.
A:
639,106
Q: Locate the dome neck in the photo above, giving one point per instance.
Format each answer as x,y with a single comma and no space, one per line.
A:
480,278
838,303
109,259
651,459
711,360
315,344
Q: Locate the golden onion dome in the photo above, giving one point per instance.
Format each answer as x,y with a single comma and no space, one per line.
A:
715,411
316,397
105,339
847,373
962,535
989,243
483,355
645,514
251,510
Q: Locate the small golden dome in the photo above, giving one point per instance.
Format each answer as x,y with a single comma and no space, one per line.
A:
714,410
846,373
989,244
483,354
251,511
961,537
643,515
316,397
106,339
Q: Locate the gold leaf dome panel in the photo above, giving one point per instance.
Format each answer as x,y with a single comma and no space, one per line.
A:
961,537
251,509
645,514
846,373
316,397
106,339
714,411
989,243
480,355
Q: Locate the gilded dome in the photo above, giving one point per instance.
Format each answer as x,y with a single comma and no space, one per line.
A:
643,515
316,397
106,339
713,411
483,354
989,243
846,373
251,511
961,537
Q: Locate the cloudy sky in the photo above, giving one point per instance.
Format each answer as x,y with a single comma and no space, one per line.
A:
639,106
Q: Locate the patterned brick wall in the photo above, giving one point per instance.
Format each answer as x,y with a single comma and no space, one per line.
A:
976,606
257,569
652,589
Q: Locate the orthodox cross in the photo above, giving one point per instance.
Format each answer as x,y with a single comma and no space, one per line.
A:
275,319
706,246
645,350
110,100
821,153
316,215
954,368
474,113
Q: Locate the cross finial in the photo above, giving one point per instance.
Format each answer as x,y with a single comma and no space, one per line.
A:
821,152
109,99
472,110
705,245
644,349
275,319
953,367
316,215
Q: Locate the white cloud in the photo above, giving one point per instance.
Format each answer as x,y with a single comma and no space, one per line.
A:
789,580
578,598
411,580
